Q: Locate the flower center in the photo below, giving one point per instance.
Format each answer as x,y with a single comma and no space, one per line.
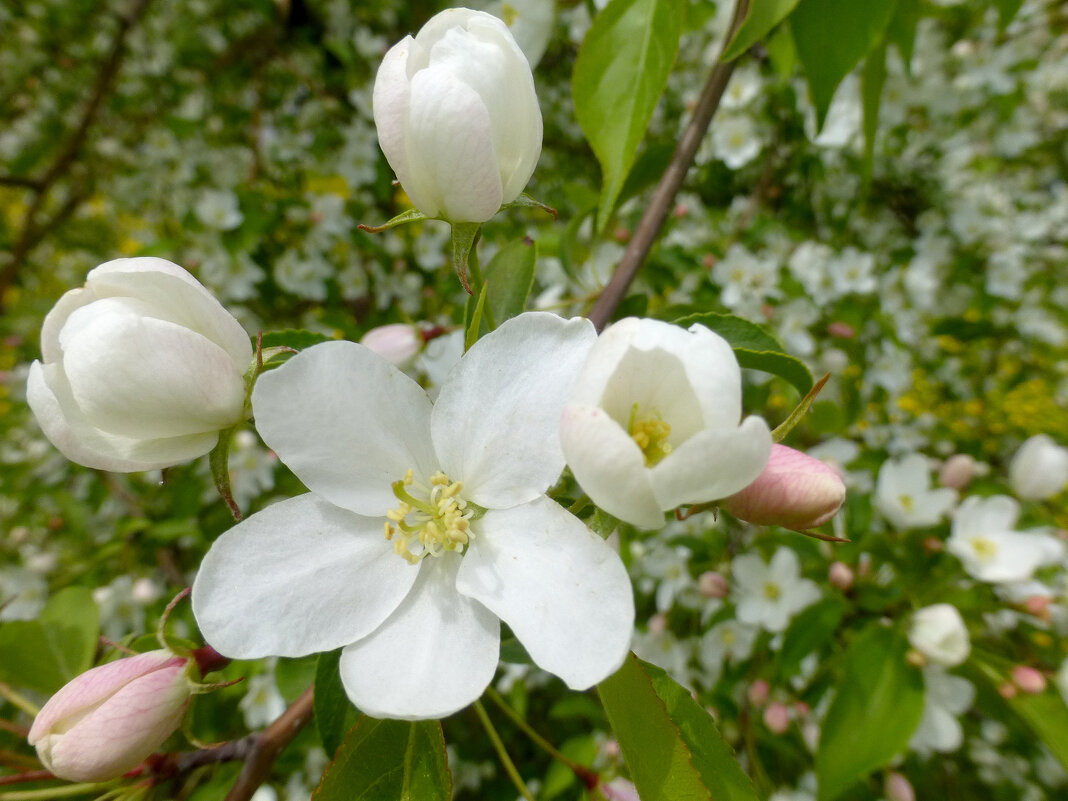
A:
650,432
771,591
419,528
985,549
906,502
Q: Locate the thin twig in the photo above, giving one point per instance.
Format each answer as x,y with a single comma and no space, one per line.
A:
663,199
502,752
268,744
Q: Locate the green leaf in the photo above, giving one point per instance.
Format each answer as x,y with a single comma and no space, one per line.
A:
832,37
409,216
670,744
74,609
810,630
475,323
874,712
295,338
901,30
334,713
509,276
872,79
620,73
782,53
762,17
389,760
754,347
294,676
1007,10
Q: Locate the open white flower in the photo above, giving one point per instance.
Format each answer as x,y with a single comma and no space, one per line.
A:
984,540
904,496
653,422
770,594
425,524
938,632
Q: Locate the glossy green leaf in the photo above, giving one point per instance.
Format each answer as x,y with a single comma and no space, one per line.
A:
75,610
872,79
620,73
334,713
474,323
389,760
811,629
874,712
509,275
762,17
901,30
46,653
831,38
781,52
754,347
670,744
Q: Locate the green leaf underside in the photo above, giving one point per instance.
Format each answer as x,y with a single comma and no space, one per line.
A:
621,70
874,712
762,17
389,760
509,276
334,715
671,746
831,38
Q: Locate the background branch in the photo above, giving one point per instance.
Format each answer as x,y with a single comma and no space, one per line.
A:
663,199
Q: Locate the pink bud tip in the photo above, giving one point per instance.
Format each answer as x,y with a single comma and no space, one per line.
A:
1007,690
658,623
1038,605
713,585
1028,679
795,491
619,790
840,575
397,343
777,717
898,788
758,692
957,471
842,330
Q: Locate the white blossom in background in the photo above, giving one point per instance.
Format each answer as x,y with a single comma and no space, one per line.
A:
938,632
22,593
853,272
1039,469
746,280
945,698
425,526
122,605
218,208
262,703
727,641
984,538
734,140
653,422
903,493
769,594
530,21
810,264
303,273
744,86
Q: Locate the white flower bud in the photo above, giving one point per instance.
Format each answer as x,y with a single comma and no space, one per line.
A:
457,116
398,343
109,719
141,368
1039,470
938,632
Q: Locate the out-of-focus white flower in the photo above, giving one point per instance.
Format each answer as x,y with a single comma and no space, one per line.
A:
1039,469
734,140
653,422
457,116
903,493
530,21
218,208
984,539
425,526
262,702
107,720
22,594
142,368
945,698
397,343
938,632
770,594
853,272
794,491
122,610
727,640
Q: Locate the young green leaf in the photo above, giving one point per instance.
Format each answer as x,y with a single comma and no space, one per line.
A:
334,713
872,78
762,17
510,277
620,73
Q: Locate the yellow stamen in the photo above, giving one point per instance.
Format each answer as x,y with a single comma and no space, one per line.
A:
439,518
650,432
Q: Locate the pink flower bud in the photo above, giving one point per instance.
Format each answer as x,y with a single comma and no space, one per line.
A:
758,692
658,624
840,575
713,585
842,330
109,719
777,717
397,343
898,788
795,491
1038,605
957,471
619,790
1028,679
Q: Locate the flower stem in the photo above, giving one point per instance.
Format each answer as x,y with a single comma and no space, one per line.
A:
53,792
502,753
584,773
18,700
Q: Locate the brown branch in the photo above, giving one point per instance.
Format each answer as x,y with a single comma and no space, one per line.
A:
663,199
268,744
21,181
29,776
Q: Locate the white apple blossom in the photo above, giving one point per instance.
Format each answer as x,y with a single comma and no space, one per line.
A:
945,697
653,422
903,493
425,524
770,594
938,632
1039,469
984,539
457,116
141,369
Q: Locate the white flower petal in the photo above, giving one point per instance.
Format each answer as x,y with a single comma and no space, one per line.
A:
433,656
712,464
609,465
49,396
347,422
390,103
496,422
298,577
563,591
56,318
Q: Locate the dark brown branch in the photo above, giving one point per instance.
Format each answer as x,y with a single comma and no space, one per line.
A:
663,198
21,181
29,776
268,744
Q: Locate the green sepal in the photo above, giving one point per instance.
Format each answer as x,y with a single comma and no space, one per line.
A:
525,201
475,323
219,460
790,423
464,238
409,216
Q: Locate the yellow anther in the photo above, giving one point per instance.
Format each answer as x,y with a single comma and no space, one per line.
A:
771,591
408,477
984,548
650,433
434,518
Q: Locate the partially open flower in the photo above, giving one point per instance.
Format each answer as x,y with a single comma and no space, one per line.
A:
109,719
1039,469
938,632
795,491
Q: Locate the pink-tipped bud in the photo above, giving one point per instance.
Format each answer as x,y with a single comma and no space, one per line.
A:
619,790
109,719
1028,679
841,330
795,491
1007,690
758,692
658,624
898,788
713,585
777,717
840,575
396,343
957,471
1038,605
